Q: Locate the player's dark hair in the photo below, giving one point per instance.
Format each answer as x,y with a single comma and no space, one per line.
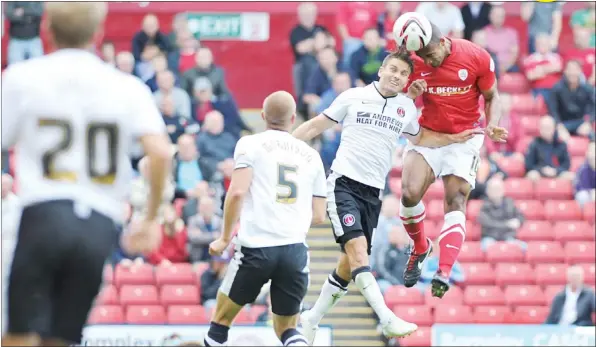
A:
436,34
401,54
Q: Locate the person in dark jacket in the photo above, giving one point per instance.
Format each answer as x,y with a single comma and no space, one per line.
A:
367,60
149,35
25,22
206,68
320,78
547,156
391,261
574,305
475,15
585,179
176,125
212,278
214,144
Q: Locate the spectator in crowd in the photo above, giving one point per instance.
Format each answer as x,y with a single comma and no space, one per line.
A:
575,304
571,103
24,18
120,256
205,67
431,265
212,279
543,18
585,183
144,68
108,52
586,19
184,56
509,120
140,190
446,16
353,18
203,228
166,87
385,23
125,62
193,196
176,125
174,239
499,218
341,82
320,79
487,170
475,17
543,67
215,144
547,156
367,60
479,38
159,63
179,27
387,220
149,35
502,40
189,168
583,53
392,259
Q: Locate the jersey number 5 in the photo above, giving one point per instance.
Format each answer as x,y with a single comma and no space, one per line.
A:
291,190
93,130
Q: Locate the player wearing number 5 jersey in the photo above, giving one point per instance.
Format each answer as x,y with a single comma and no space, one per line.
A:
72,120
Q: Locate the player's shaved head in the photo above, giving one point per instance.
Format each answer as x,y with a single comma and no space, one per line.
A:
279,110
75,24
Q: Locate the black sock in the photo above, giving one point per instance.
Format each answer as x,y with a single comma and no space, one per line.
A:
292,337
360,270
217,335
338,281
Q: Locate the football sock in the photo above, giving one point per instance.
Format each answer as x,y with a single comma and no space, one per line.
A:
293,337
413,220
217,335
365,281
451,239
333,290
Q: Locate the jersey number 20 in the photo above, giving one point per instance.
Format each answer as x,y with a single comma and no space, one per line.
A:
93,130
291,190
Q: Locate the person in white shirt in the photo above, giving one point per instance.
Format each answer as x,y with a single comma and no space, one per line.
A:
444,15
575,304
279,183
373,118
72,119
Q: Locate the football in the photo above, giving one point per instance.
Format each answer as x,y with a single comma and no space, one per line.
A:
412,30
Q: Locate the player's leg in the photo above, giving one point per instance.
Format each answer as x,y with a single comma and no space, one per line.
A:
417,176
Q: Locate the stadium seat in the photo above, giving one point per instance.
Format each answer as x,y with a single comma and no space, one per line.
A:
540,108
175,274
471,252
513,166
145,314
573,231
420,338
536,230
454,296
576,163
491,314
579,252
523,103
400,295
551,291
589,213
544,252
435,210
136,274
554,189
108,274
436,191
473,209
532,209
244,317
509,274
548,274
589,273
179,294
188,314
420,315
479,273
562,210
529,125
460,314
473,231
524,295
514,83
483,295
504,252
395,186
108,295
530,314
109,314
432,229
519,188
578,146
200,268
138,295
523,144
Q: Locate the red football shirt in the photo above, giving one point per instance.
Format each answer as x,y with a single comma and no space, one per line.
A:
536,59
357,16
451,102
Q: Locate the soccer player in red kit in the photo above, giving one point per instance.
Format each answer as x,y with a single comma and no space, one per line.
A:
457,72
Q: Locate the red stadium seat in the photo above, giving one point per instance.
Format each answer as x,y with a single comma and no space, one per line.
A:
536,230
513,166
530,314
145,314
547,274
541,252
589,213
108,295
551,291
136,274
420,338
540,108
491,314
589,273
111,314
576,162
420,315
555,189
504,252
562,210
529,125
138,295
460,314
175,274
523,103
473,209
179,294
473,231
454,296
580,252
484,295
577,146
519,188
514,83
395,185
508,274
435,210
400,295
471,252
523,144
188,314
532,209
524,295
244,317
108,274
436,191
574,231
432,229
479,273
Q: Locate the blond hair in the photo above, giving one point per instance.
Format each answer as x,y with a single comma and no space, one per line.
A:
74,24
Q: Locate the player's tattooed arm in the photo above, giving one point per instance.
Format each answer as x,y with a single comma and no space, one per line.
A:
313,128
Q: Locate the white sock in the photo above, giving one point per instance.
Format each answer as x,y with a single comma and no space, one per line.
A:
330,295
365,281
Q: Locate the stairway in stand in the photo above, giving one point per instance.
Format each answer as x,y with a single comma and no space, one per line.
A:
352,319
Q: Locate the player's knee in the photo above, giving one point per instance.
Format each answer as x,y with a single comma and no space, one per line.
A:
411,194
225,311
456,201
356,249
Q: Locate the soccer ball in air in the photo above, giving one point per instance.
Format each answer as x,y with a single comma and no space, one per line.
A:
412,30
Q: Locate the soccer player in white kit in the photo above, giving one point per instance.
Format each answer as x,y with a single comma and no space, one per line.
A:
279,184
373,118
72,119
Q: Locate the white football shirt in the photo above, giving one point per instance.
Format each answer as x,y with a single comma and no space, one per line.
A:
372,125
287,173
73,119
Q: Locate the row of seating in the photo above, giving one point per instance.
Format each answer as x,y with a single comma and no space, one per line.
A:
537,252
182,273
147,294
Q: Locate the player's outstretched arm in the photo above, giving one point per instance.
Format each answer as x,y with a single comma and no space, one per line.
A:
313,128
319,210
433,139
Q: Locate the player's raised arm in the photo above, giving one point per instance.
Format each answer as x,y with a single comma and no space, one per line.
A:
328,118
319,201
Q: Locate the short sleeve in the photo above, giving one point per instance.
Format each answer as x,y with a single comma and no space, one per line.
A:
320,183
146,118
486,70
244,155
413,127
12,106
339,107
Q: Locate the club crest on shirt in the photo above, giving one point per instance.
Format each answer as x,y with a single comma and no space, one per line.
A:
349,220
463,74
401,112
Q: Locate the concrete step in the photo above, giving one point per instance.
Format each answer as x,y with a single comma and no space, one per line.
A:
355,332
349,322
